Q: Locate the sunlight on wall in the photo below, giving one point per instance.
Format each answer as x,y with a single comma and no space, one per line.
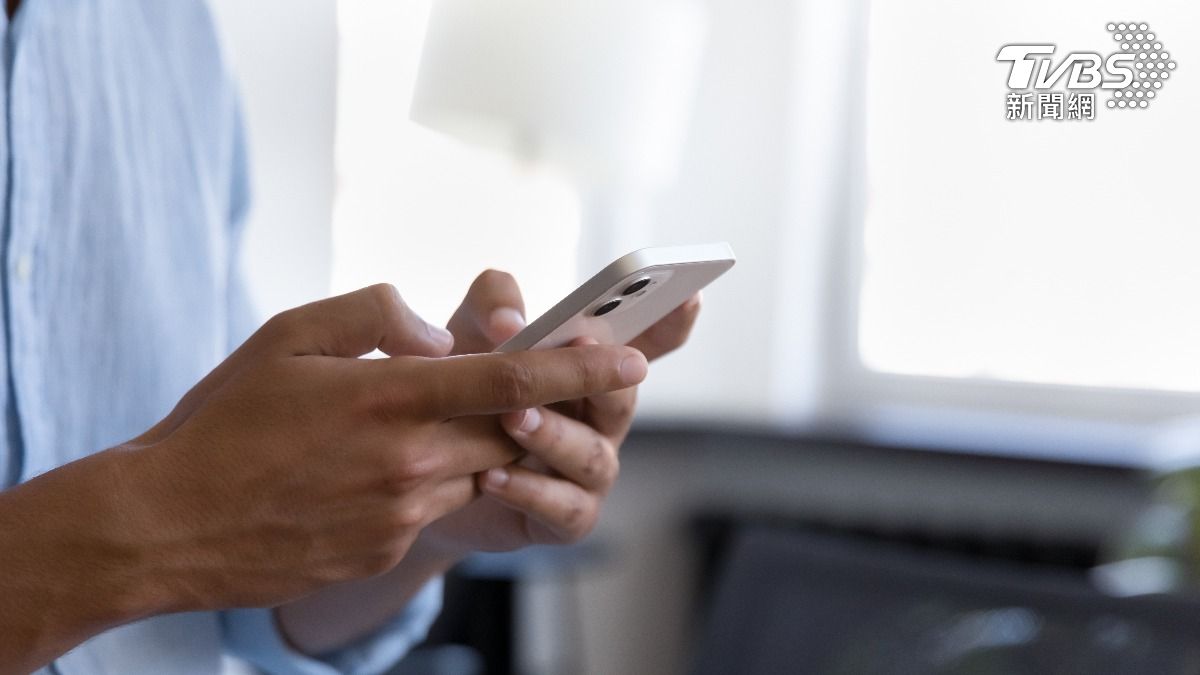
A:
424,211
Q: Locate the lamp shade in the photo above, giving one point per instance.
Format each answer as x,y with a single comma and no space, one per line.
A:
600,88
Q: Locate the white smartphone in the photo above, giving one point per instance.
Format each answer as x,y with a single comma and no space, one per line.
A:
626,297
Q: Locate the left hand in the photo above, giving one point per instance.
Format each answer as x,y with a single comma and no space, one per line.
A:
554,494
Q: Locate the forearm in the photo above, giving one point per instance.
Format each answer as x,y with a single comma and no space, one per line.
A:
339,615
66,573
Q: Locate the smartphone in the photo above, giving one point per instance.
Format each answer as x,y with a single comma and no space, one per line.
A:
626,297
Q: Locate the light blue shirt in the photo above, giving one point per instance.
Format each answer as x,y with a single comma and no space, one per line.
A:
124,179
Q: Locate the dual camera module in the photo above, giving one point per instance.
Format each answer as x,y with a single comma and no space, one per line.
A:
616,302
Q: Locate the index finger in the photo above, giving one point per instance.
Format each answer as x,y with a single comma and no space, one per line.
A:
482,384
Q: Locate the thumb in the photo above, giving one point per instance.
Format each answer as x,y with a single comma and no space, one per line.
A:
347,325
492,312
350,325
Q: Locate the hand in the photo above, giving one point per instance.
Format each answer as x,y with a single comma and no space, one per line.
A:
493,311
555,493
295,465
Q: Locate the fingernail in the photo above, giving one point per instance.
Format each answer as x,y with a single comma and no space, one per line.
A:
440,336
633,369
505,322
531,421
497,478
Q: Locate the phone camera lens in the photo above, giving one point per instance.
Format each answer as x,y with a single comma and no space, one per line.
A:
636,286
607,307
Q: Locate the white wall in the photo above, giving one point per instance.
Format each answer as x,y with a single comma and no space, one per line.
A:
285,54
736,178
729,188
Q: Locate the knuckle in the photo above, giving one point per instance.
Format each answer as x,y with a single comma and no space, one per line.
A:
406,516
284,325
578,521
512,383
491,278
597,370
404,471
601,462
386,405
387,300
552,432
384,294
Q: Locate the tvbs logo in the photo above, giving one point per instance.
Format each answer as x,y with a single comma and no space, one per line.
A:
1083,68
1042,87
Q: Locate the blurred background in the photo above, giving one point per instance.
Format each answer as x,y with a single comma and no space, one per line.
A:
945,381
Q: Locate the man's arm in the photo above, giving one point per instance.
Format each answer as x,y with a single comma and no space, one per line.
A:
66,571
294,465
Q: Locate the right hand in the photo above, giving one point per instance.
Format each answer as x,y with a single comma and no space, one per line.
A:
295,465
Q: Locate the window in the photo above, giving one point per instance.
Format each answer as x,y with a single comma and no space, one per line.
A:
422,210
1040,253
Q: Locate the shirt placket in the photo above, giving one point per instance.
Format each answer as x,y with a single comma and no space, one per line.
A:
23,428
10,440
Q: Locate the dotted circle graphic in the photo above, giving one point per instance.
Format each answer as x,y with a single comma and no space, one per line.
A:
1150,62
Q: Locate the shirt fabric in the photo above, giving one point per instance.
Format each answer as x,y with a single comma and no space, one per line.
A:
124,176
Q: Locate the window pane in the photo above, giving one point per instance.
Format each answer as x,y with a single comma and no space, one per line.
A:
1041,251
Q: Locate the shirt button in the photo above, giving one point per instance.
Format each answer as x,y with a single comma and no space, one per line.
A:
24,267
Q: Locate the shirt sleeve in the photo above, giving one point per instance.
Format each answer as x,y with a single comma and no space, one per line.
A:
253,635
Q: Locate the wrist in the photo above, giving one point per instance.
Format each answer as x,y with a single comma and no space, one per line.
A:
338,615
69,570
136,527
